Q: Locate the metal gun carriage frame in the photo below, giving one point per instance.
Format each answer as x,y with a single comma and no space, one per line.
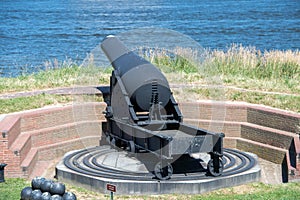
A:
158,129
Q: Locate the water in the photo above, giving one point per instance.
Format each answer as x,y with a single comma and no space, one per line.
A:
32,32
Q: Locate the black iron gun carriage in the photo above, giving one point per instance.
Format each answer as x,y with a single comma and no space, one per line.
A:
143,116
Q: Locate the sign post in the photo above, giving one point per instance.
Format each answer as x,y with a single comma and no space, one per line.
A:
112,189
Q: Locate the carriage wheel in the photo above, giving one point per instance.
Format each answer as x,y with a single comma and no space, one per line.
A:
131,146
163,172
214,170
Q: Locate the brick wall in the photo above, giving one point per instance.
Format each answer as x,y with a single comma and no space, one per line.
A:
57,129
275,155
273,118
8,157
63,115
211,110
271,137
49,128
271,130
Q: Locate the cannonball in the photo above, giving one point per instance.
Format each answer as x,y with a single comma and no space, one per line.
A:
36,182
26,193
56,197
57,188
46,196
45,185
36,195
69,196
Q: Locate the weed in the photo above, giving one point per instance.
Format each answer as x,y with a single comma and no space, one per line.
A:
237,67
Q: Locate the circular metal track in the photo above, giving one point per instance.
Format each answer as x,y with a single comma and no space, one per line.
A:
87,162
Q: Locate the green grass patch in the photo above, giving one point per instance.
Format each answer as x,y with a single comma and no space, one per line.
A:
252,63
12,187
55,78
11,190
257,191
41,100
32,102
238,66
286,102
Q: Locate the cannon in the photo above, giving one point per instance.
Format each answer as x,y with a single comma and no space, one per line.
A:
142,116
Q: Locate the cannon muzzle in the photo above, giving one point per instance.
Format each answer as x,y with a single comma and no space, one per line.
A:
143,81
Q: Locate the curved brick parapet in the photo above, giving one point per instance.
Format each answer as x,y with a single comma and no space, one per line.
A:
268,132
30,139
46,134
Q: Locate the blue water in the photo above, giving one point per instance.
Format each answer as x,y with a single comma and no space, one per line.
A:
34,31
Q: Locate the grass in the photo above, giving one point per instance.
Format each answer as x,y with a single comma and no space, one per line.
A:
11,189
249,68
281,101
53,78
240,74
32,102
240,66
249,62
237,74
257,191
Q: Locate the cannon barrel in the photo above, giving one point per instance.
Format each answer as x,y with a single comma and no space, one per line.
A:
143,116
141,78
